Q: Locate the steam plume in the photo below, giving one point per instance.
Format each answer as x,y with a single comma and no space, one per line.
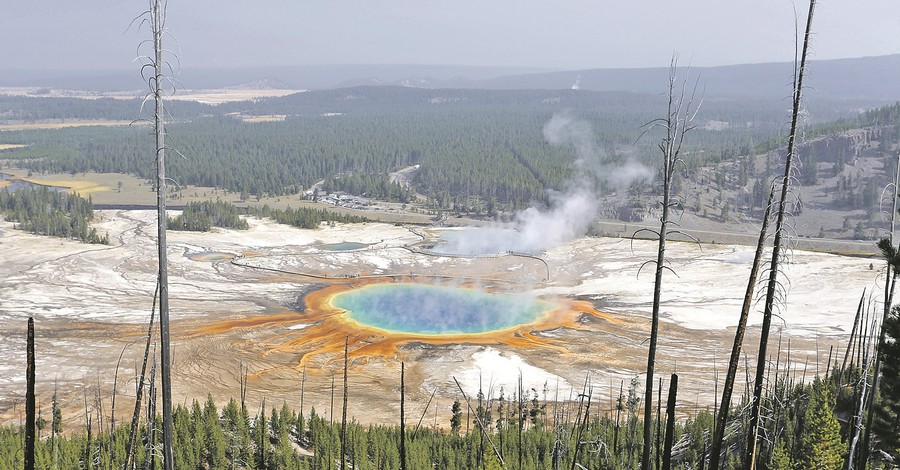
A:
571,212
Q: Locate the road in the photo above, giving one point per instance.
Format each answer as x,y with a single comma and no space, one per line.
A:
706,236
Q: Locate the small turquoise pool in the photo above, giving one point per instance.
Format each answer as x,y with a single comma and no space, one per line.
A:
435,310
343,246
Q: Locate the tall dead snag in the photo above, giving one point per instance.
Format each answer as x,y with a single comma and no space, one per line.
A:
853,334
150,454
29,397
890,253
521,420
670,424
402,416
302,385
135,417
856,421
771,287
154,63
585,395
675,125
242,378
344,410
478,421
733,362
112,409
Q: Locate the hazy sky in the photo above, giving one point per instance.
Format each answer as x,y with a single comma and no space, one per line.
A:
560,34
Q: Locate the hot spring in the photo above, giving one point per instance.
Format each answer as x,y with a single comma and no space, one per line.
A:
435,310
343,246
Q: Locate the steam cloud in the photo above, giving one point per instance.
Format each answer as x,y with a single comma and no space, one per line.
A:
565,129
570,213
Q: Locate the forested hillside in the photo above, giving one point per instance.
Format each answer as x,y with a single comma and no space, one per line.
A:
487,145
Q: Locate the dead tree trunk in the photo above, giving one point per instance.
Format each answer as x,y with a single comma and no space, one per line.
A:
521,422
344,410
722,418
478,421
750,456
422,418
402,416
856,421
890,282
853,333
29,397
135,417
112,412
587,407
676,124
619,407
302,385
658,422
670,423
157,26
242,378
150,459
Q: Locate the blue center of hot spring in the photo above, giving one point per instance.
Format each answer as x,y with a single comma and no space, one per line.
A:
434,310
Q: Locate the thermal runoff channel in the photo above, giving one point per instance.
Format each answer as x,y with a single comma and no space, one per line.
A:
437,310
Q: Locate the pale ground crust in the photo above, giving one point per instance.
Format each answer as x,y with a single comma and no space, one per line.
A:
91,301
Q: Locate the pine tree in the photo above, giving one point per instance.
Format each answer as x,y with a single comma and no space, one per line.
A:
820,442
781,459
456,418
887,412
214,436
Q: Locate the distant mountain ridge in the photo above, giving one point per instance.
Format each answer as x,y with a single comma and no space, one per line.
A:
866,78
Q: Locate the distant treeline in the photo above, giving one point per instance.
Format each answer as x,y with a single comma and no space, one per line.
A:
45,212
202,216
304,217
43,108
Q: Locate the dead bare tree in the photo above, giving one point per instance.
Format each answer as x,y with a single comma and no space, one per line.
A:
150,459
619,407
135,417
772,286
112,412
733,362
157,81
675,126
344,410
480,424
242,379
890,253
853,333
856,421
402,416
302,385
585,395
670,423
29,397
55,426
521,420
421,418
